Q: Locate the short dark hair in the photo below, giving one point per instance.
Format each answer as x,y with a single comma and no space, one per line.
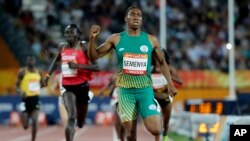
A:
76,27
132,7
166,55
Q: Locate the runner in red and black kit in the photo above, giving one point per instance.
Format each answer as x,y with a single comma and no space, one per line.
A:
76,72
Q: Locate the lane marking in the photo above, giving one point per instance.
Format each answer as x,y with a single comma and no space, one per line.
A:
39,133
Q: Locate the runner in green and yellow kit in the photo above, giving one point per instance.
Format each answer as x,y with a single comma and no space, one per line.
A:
135,50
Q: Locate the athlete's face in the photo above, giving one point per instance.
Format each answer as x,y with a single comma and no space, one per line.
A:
134,18
30,61
71,34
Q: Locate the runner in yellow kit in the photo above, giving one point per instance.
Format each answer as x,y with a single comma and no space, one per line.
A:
28,85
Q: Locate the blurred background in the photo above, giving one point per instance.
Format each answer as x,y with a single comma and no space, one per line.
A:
196,37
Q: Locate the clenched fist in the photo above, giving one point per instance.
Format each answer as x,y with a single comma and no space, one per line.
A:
172,90
94,30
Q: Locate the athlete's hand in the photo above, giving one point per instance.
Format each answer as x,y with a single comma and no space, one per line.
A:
45,82
21,93
172,90
94,30
72,65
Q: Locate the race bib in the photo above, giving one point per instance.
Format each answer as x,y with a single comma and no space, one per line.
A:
34,86
66,71
159,81
135,64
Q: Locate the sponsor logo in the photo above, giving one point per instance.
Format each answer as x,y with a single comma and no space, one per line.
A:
144,48
121,49
152,107
67,57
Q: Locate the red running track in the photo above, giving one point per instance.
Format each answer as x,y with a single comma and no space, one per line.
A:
56,133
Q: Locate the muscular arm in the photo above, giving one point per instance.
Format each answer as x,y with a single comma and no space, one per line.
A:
95,53
41,81
175,76
56,59
53,66
91,67
158,55
103,49
18,81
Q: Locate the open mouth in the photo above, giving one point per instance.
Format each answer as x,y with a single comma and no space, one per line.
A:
136,23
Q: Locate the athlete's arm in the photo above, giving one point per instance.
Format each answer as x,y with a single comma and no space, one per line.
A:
20,76
175,76
91,67
157,53
41,75
53,65
103,49
110,87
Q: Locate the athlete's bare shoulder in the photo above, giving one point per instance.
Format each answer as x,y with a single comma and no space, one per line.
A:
114,38
153,40
21,72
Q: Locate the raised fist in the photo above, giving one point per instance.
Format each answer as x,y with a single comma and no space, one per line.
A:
94,30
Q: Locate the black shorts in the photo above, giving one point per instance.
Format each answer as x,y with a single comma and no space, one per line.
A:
163,102
81,92
31,103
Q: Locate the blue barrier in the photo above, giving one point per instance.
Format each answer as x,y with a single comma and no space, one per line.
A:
49,105
7,105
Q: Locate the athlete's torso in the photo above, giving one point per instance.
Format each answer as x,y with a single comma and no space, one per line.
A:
134,55
74,76
30,83
159,82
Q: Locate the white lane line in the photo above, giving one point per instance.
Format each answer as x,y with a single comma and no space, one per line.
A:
40,133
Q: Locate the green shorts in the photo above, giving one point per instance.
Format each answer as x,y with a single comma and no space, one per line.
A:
132,101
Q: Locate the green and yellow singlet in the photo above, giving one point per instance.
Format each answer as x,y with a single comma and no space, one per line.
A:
134,55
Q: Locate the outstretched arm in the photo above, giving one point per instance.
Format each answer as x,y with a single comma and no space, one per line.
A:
95,53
